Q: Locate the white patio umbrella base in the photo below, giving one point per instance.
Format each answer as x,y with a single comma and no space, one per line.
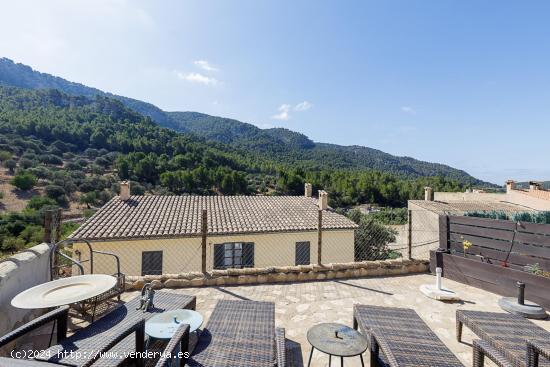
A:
437,291
442,294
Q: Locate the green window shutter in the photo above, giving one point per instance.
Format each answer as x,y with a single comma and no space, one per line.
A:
302,253
151,263
248,254
218,256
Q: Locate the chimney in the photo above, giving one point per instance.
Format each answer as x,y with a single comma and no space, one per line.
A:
308,190
428,193
124,190
534,185
323,200
510,185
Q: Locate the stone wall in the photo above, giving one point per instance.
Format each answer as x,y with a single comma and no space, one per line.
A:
18,273
280,274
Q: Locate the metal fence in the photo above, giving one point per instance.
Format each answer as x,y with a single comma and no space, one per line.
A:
388,234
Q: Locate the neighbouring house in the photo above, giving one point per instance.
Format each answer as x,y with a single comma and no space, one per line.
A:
424,214
164,234
533,198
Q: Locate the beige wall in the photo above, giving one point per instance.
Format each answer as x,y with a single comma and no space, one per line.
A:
181,255
469,196
425,231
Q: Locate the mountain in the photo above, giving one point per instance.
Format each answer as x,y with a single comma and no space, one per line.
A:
281,145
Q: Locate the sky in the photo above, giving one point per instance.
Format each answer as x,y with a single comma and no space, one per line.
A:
464,83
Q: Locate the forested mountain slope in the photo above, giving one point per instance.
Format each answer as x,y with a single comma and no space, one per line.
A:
278,145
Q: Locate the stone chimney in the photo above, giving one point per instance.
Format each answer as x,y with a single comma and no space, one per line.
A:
124,190
510,185
534,185
428,193
308,190
323,200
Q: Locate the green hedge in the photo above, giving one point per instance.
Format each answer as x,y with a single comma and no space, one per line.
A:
531,217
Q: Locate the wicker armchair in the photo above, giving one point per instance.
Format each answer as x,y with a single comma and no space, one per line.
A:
59,315
181,340
536,348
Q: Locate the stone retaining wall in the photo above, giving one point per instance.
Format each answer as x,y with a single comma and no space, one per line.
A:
280,274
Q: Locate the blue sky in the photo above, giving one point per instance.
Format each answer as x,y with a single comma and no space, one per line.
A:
465,83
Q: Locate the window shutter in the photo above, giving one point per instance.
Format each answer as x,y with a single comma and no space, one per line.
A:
218,256
248,254
151,263
302,253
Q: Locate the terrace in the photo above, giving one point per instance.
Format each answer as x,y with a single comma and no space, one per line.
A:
299,306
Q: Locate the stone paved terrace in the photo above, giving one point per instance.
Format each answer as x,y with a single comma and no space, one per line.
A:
299,306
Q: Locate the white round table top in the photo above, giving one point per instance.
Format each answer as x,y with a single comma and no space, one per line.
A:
64,291
165,324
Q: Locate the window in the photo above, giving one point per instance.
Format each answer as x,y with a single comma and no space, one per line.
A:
151,263
234,255
302,253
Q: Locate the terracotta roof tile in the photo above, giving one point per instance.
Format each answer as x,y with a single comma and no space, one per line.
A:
172,216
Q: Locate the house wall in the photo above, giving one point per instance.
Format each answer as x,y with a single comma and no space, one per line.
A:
424,231
182,255
469,196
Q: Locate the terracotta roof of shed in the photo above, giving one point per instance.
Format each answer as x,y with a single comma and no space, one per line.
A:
173,216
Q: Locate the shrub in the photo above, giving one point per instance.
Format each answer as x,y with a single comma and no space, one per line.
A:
25,163
371,238
5,155
38,202
24,181
57,193
50,159
10,164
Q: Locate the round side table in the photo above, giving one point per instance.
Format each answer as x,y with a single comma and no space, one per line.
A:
336,340
165,324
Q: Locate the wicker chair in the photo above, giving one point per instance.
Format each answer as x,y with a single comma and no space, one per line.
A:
120,331
60,315
180,341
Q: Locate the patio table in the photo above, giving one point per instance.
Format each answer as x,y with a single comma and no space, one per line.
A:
336,340
64,291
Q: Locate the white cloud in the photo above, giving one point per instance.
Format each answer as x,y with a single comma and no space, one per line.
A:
205,65
284,110
408,110
197,78
283,114
303,106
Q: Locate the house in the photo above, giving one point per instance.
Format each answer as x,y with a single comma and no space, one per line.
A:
164,234
424,214
532,198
